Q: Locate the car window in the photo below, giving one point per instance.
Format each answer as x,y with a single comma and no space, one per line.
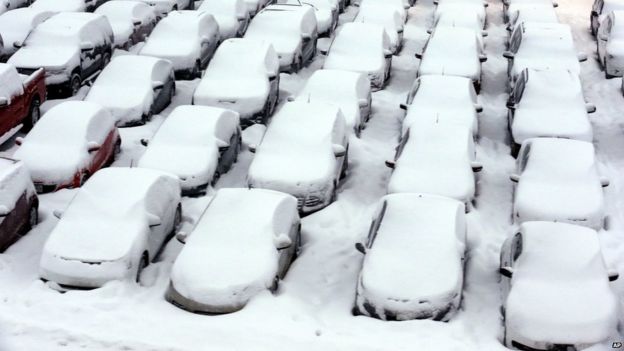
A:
516,247
412,93
401,146
520,85
516,39
524,159
376,224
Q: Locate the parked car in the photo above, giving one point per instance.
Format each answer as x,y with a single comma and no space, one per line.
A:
441,97
326,12
232,16
413,265
112,229
8,5
453,51
438,159
291,30
350,91
386,16
527,49
15,25
531,12
72,47
71,142
310,143
537,109
469,9
131,21
196,143
18,202
186,38
20,98
243,76
163,7
263,245
556,293
362,48
600,10
133,88
401,6
611,44
462,16
558,181
67,5
509,4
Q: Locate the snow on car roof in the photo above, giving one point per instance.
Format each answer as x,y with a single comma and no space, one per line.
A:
530,12
224,7
14,180
560,292
559,158
125,10
61,26
457,17
21,21
416,254
476,9
227,260
358,47
374,12
282,25
10,82
450,42
177,33
59,5
244,56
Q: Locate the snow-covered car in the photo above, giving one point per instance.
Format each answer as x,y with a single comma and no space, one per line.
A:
556,293
112,229
350,91
18,202
548,103
292,31
326,12
557,180
453,51
401,6
243,76
186,38
71,142
600,10
197,144
460,16
438,159
510,4
536,12
67,5
163,7
232,16
303,153
611,44
256,228
413,264
527,49
15,26
133,88
8,5
73,47
254,6
468,9
362,48
438,97
385,16
132,21
20,99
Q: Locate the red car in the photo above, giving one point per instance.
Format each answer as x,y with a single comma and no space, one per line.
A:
20,98
73,140
18,202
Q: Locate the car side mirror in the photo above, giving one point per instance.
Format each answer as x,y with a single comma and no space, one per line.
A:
485,4
613,276
478,108
252,148
418,55
476,166
86,46
282,241
514,177
361,248
604,182
506,271
429,31
363,102
387,53
324,51
339,150
390,164
144,142
57,213
4,211
153,220
482,58
181,237
306,36
92,146
272,77
19,141
484,33
18,44
591,108
511,105
157,85
137,22
4,101
555,4
508,55
403,107
582,57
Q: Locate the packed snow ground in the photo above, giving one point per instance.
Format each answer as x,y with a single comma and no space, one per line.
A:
312,309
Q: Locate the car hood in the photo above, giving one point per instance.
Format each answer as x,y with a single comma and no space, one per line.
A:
358,63
45,56
124,102
51,164
197,161
551,122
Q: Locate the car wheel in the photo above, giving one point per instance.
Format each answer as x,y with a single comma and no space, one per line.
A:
75,84
215,178
33,115
142,264
515,149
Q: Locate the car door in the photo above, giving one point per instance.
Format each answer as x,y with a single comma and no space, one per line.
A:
228,154
287,255
88,56
162,95
12,114
157,206
596,11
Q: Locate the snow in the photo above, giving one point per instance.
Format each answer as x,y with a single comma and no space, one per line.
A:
324,12
467,10
452,51
436,160
177,37
227,14
296,154
532,12
14,181
226,260
237,77
559,290
16,24
442,97
398,5
547,112
130,101
122,14
421,240
196,133
342,88
559,182
388,17
456,17
284,26
56,148
10,82
360,47
59,5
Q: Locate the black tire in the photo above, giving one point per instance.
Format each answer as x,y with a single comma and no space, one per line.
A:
75,83
515,149
144,262
34,113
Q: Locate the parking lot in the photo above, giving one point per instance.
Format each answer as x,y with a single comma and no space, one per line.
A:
312,310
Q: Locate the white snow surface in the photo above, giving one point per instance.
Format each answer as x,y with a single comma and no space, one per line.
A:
227,14
59,5
452,51
122,14
386,16
10,82
16,24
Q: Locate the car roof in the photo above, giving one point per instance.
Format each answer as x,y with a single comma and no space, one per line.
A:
136,69
353,36
286,16
244,54
542,80
566,157
339,82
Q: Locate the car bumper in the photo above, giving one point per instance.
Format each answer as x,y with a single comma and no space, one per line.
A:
180,301
74,274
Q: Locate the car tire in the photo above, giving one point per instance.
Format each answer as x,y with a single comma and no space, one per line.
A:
34,113
515,149
75,83
144,262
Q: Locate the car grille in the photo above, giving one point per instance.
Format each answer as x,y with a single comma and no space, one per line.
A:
312,201
299,202
27,71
